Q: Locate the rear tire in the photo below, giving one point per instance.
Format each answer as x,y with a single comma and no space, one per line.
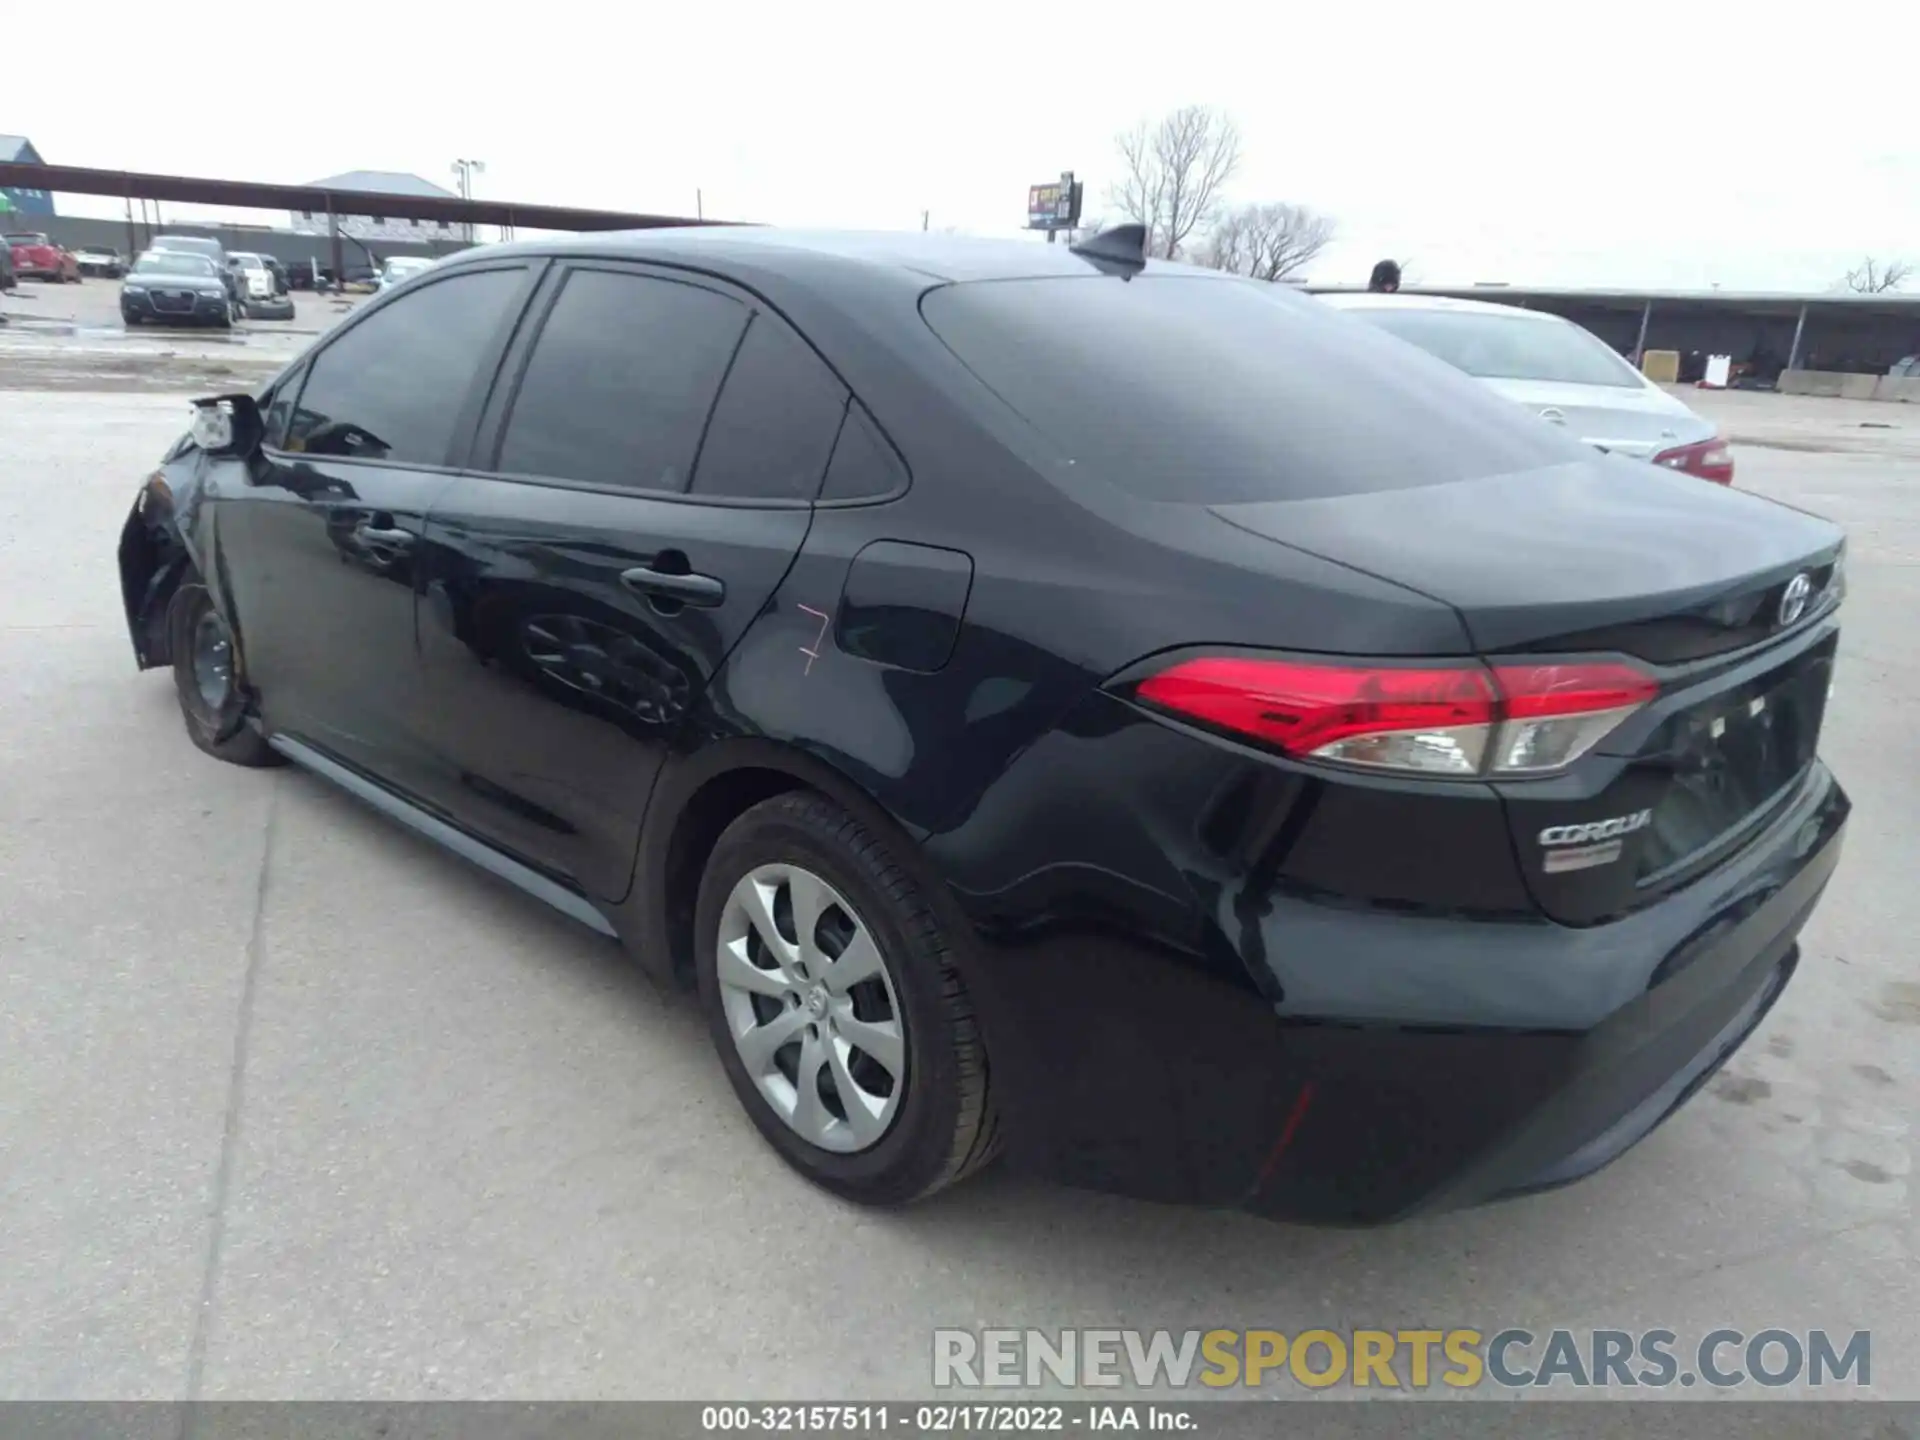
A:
926,1116
206,679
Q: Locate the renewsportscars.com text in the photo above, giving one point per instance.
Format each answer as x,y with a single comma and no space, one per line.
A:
1456,1359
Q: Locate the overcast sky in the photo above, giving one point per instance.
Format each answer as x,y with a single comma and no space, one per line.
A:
1586,144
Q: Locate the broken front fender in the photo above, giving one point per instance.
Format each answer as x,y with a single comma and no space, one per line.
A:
156,553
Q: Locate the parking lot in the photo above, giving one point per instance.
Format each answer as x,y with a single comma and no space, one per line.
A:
293,1104
91,311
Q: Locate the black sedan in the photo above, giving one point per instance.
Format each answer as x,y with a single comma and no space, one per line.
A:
1047,702
175,287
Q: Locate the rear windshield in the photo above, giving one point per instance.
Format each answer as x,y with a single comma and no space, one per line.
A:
1503,347
1217,392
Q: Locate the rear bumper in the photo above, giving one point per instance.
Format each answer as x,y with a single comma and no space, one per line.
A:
1126,1070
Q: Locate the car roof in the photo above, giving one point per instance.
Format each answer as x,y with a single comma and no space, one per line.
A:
935,257
1374,300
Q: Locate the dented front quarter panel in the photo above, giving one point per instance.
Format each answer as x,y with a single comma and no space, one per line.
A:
162,541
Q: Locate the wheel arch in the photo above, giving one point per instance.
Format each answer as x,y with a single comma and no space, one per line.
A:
155,558
697,797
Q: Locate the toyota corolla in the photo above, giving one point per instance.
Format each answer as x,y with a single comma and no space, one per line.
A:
1045,702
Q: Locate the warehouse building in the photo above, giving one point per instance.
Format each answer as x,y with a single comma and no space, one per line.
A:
22,200
365,228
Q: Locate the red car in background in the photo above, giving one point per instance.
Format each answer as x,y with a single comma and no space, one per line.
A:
36,257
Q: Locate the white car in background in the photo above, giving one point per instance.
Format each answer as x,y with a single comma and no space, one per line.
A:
256,280
1568,375
402,268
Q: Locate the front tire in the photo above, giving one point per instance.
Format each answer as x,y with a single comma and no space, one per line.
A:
831,992
206,679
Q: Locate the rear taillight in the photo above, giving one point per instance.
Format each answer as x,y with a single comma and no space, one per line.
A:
1452,719
1708,459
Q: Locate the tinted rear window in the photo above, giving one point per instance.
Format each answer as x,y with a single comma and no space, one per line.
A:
1507,347
1215,392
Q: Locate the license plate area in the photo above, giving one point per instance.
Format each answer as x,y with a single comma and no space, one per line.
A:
1732,759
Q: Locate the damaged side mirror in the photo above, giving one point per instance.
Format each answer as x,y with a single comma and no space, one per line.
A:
229,426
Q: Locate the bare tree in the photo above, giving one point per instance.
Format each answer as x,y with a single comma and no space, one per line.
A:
1267,242
1173,171
1876,277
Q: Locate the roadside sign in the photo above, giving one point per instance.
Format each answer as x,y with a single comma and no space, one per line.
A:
1054,205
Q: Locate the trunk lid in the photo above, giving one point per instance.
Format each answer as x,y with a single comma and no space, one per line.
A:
1606,553
1728,598
1639,421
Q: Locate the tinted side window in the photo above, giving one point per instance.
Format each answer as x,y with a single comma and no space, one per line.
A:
621,381
279,411
773,429
393,387
864,464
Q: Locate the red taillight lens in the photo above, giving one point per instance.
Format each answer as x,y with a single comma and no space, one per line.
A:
1457,719
1709,459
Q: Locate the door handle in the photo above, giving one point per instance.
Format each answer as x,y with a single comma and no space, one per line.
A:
705,591
381,535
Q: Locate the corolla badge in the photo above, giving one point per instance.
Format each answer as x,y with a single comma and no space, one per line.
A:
1553,416
1596,829
1793,599
1597,842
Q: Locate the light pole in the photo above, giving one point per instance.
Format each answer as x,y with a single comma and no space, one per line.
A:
464,171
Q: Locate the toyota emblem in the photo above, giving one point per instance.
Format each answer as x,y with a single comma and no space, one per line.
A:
1554,416
1793,599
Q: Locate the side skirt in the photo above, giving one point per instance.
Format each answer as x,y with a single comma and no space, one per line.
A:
568,902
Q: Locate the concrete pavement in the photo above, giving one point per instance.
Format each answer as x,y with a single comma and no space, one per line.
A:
293,1105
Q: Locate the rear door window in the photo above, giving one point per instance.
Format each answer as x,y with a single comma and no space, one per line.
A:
773,429
621,381
1221,392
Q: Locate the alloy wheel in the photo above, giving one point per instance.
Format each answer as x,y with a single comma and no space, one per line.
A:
811,1007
